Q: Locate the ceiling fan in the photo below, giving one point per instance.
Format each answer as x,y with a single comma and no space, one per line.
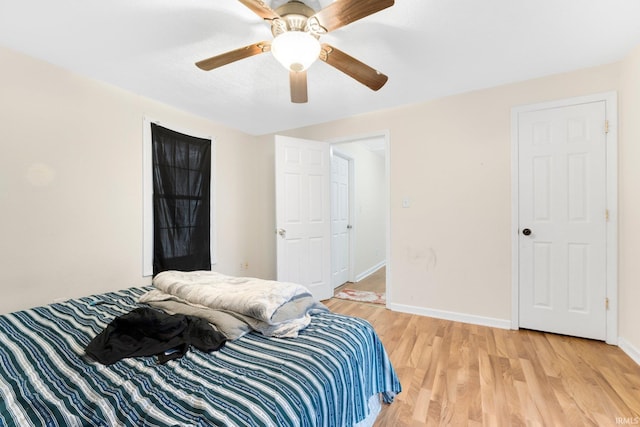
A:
296,29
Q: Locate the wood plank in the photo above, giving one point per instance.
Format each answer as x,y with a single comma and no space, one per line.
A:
460,374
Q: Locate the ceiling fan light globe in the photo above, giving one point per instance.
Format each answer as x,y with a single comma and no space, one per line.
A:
295,50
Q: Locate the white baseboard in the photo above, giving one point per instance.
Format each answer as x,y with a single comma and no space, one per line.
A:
370,271
628,348
449,315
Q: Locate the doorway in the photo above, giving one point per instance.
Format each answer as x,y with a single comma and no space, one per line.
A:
565,168
366,243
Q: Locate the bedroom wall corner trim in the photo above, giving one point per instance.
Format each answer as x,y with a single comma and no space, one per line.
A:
147,198
453,316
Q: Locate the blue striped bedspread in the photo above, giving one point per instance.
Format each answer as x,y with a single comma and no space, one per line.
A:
324,377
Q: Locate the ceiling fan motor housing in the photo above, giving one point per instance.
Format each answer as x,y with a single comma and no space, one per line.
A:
294,16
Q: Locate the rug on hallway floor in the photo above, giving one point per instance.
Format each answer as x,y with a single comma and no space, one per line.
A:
362,296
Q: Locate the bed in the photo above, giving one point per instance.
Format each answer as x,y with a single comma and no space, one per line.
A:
335,373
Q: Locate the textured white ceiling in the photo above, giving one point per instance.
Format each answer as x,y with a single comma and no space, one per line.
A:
428,48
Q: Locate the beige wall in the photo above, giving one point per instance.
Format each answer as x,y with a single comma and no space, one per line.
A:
71,185
629,203
451,250
70,188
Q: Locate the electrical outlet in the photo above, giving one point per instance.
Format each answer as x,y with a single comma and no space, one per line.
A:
244,266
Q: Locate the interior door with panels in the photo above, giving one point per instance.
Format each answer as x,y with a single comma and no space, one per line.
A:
562,195
303,224
340,215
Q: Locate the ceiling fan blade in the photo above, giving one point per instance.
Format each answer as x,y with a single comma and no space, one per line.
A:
260,8
298,83
234,55
343,12
352,67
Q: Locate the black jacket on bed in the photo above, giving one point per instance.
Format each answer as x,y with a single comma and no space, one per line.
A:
149,332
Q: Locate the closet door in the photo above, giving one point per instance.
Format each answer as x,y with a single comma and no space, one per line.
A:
563,220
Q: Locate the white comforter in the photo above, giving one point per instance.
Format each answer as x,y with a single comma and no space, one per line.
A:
266,303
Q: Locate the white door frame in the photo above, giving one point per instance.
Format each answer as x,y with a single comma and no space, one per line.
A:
352,218
610,99
387,172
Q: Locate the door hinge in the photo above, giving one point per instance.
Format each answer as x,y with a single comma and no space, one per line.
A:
606,303
606,126
606,215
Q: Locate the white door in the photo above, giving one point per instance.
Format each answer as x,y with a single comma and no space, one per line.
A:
562,220
303,175
340,227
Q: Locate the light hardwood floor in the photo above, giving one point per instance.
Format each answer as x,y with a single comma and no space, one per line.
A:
374,283
460,374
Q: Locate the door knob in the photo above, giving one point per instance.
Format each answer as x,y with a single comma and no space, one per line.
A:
281,231
526,231
349,227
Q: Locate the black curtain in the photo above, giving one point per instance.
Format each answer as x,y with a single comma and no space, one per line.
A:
181,201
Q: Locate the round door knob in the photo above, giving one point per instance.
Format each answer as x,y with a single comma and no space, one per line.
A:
526,231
